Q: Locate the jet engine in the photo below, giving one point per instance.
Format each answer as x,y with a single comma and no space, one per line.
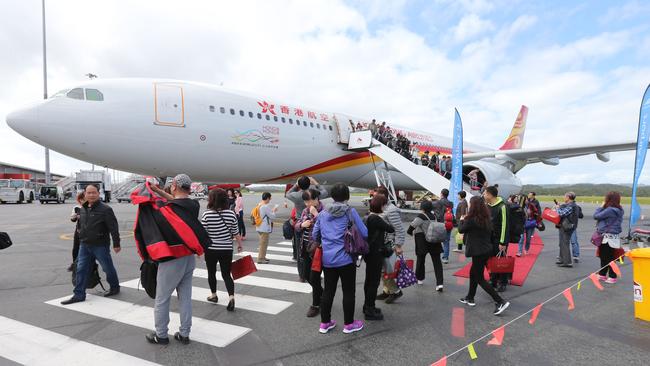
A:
492,173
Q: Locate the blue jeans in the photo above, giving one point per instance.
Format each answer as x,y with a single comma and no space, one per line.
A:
528,235
445,246
575,247
87,256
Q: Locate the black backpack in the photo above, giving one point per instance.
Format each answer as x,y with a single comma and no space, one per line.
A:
287,230
93,276
516,222
5,241
148,277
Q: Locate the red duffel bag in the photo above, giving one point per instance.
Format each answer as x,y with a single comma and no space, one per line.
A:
501,264
242,267
551,215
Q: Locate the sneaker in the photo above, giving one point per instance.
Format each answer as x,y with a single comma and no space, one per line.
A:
72,300
501,288
501,307
457,250
112,292
518,254
420,282
576,259
467,301
355,326
602,278
180,338
611,280
326,327
313,311
382,296
373,314
153,338
213,298
565,265
439,288
71,267
445,261
263,261
392,297
231,305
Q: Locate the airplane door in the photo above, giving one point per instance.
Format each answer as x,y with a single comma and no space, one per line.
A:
169,104
342,129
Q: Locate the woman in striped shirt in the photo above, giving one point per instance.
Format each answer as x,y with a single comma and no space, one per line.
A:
221,225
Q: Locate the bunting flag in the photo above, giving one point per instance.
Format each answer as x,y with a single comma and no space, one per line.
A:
472,351
533,316
498,337
569,298
440,362
620,259
579,285
594,279
615,268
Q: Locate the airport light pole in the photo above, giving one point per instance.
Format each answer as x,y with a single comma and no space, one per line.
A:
48,177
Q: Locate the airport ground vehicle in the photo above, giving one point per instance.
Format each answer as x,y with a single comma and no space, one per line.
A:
16,188
51,193
97,177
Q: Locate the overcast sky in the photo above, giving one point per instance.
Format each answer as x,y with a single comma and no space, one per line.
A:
581,67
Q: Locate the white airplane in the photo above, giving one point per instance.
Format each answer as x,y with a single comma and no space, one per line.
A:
163,127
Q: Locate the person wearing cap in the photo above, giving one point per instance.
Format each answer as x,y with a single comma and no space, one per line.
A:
176,273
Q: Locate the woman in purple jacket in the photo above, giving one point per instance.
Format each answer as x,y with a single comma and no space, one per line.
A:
609,218
329,230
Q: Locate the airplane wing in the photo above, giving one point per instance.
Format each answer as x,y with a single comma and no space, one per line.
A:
551,156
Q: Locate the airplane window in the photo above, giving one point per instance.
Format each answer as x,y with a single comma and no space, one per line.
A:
311,124
275,118
259,116
290,121
76,93
211,108
268,118
304,123
284,120
250,114
297,123
232,111
330,128
318,125
241,113
60,93
94,94
222,110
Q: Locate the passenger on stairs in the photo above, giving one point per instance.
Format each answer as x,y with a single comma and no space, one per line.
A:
221,224
391,292
307,246
418,229
337,264
425,159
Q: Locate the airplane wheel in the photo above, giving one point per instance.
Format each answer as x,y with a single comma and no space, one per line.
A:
21,198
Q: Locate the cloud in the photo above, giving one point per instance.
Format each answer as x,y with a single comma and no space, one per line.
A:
471,26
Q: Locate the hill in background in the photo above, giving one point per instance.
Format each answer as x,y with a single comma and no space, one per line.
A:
585,189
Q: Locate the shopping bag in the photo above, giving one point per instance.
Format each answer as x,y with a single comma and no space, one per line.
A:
501,264
242,267
405,276
317,261
392,274
459,238
551,215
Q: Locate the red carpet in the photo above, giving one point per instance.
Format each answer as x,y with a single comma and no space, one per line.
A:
523,265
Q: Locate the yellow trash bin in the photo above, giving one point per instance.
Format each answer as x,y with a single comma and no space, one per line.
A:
641,265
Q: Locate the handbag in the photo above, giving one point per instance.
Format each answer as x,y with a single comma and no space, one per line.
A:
541,226
5,240
501,263
459,238
353,242
410,263
242,267
551,215
567,225
405,275
148,277
317,262
596,238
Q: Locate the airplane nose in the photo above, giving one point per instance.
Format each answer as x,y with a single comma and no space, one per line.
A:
20,120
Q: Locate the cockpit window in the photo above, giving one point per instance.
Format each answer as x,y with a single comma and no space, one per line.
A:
94,94
76,93
60,93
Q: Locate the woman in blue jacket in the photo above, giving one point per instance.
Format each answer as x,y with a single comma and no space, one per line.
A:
329,230
609,218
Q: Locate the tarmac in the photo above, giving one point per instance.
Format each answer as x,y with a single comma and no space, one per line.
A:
269,326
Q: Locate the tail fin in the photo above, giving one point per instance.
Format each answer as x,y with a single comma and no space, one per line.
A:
516,138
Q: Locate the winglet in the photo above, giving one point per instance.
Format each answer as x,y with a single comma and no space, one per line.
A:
516,138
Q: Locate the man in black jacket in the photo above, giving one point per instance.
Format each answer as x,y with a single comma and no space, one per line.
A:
96,222
500,215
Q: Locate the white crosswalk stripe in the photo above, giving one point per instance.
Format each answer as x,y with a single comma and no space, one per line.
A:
277,257
30,345
280,249
253,303
286,243
277,268
204,331
254,280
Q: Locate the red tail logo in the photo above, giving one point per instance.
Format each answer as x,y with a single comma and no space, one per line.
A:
516,138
